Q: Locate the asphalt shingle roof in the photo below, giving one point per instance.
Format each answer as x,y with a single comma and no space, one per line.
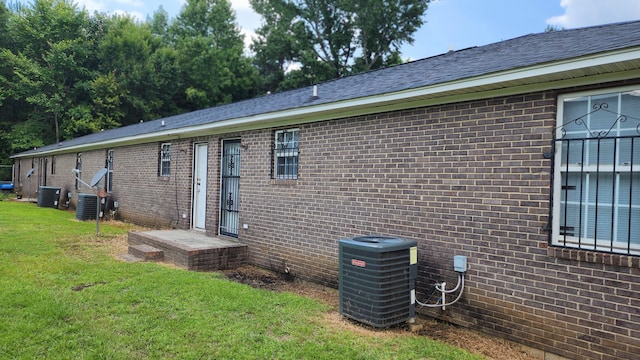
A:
506,55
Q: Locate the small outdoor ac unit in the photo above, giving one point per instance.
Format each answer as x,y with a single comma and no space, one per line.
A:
377,279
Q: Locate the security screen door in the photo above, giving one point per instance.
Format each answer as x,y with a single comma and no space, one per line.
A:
229,194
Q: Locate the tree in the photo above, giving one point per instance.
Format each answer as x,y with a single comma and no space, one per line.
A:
384,26
4,25
46,58
210,55
276,49
104,112
159,23
331,38
65,73
126,73
551,28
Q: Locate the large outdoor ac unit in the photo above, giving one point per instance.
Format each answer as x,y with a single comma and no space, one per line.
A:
48,196
377,279
87,207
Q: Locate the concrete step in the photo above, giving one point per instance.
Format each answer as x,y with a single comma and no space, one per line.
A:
193,250
146,252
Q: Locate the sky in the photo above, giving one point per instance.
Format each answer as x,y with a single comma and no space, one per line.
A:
449,24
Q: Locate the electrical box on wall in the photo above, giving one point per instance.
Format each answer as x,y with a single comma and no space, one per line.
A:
460,263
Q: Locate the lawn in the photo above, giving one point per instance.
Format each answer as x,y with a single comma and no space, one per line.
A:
64,295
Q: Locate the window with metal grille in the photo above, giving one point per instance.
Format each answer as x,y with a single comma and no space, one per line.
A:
79,168
165,160
109,175
596,189
285,154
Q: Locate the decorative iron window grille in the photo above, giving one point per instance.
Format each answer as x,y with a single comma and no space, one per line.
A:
596,177
79,173
109,176
165,160
284,154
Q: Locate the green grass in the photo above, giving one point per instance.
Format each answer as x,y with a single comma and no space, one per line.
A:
63,296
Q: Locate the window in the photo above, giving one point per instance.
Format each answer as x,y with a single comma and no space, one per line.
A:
285,154
79,170
165,160
44,165
596,197
109,176
53,165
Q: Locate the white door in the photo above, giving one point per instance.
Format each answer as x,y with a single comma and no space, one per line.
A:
199,211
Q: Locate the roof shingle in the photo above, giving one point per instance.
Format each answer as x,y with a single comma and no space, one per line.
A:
506,55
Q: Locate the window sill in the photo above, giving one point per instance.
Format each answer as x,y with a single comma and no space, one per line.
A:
594,257
164,178
284,182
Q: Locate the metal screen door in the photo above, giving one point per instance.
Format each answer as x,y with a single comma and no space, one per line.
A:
230,195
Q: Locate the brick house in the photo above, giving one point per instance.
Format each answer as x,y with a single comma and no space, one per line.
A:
523,155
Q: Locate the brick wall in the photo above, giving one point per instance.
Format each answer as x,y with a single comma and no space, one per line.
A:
463,179
62,177
147,198
143,196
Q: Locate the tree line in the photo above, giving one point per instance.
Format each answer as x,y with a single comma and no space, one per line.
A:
65,72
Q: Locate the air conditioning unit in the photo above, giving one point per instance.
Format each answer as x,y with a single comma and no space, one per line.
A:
48,196
377,276
87,207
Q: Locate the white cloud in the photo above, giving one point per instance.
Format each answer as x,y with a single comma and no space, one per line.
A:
92,5
247,19
245,16
136,15
248,35
580,13
132,3
240,4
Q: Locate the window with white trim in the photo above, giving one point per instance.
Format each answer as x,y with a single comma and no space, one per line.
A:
165,160
596,189
285,154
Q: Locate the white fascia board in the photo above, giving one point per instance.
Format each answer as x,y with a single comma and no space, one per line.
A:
370,104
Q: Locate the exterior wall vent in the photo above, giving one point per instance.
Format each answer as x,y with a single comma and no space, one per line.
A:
87,207
377,279
48,196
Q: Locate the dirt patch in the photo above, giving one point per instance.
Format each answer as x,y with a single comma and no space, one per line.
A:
475,342
256,278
